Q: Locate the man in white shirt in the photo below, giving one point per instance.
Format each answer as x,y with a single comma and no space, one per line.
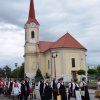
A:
54,87
62,89
71,89
41,88
47,90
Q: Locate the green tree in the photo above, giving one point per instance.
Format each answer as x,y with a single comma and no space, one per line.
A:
7,71
38,75
21,71
2,74
18,72
92,71
14,73
81,72
98,69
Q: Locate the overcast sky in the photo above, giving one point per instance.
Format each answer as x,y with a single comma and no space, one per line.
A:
81,18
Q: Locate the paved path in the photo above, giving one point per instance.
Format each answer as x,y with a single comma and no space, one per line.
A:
6,98
38,96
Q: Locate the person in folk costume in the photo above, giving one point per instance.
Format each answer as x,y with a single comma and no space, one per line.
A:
27,87
77,92
62,89
41,88
54,87
19,85
71,91
1,86
6,87
31,89
15,89
23,90
84,89
47,90
10,86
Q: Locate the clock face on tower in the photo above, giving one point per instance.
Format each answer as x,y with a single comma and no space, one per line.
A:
33,25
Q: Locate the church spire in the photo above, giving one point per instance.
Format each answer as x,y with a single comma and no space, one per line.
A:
31,17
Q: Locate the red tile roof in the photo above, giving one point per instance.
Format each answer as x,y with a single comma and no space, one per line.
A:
44,45
31,17
66,41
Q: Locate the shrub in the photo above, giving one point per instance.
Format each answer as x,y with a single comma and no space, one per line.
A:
81,72
98,69
38,75
47,75
92,71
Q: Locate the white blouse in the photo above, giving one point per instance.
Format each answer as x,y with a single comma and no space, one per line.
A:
82,84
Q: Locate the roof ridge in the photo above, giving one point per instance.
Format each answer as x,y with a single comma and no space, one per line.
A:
76,41
45,41
61,42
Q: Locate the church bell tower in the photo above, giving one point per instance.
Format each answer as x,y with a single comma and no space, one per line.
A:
31,42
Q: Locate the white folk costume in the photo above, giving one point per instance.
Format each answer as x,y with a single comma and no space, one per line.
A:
19,87
84,91
15,89
77,92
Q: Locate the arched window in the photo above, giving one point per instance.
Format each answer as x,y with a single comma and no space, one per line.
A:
48,64
32,34
73,62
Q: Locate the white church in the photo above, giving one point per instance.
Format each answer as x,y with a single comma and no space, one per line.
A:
62,57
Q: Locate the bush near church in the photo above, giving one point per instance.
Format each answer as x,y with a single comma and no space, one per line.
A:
81,72
47,75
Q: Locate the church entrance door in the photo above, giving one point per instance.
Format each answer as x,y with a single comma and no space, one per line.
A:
74,74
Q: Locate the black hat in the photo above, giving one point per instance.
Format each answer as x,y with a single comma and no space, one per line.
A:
26,77
42,78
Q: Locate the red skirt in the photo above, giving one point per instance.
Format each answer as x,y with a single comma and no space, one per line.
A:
30,90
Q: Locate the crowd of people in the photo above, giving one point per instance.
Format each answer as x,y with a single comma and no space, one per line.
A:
49,90
59,90
20,89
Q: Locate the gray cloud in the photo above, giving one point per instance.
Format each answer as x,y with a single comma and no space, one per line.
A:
81,18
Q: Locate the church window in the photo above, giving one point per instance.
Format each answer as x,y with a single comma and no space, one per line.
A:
32,34
73,62
48,64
